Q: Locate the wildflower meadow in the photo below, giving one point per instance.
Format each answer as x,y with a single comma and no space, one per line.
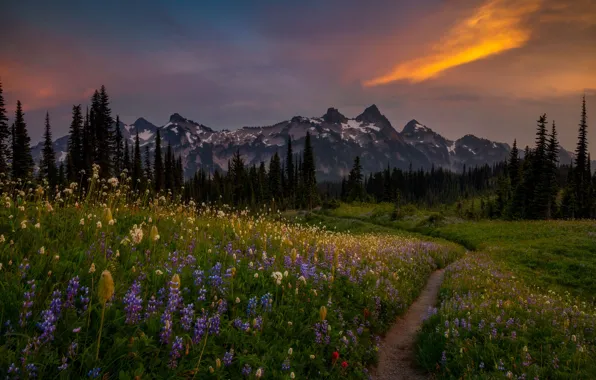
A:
112,283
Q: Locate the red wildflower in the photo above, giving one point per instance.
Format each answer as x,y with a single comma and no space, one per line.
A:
334,356
366,313
344,364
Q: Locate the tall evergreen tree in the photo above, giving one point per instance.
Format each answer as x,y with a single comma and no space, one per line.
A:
88,143
137,166
308,175
275,179
356,190
118,148
22,161
126,161
290,170
48,161
158,173
539,175
148,172
582,176
514,166
237,176
552,165
75,156
169,169
4,135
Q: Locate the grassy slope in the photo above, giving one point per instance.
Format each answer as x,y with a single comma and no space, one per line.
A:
550,254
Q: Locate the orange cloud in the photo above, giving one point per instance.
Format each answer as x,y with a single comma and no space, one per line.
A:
495,27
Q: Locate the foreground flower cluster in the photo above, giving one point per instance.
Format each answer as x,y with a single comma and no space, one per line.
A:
150,288
492,325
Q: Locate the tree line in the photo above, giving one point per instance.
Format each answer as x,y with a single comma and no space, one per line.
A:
534,186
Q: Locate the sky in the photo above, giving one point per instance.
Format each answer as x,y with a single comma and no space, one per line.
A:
485,67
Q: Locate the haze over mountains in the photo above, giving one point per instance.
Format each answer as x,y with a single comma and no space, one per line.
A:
336,140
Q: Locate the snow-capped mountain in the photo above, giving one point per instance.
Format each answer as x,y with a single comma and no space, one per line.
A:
336,140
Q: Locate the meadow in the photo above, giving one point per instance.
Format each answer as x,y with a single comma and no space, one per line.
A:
521,304
116,284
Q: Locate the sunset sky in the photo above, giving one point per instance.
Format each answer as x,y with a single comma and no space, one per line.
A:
489,68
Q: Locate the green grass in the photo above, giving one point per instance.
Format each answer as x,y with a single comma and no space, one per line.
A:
550,254
559,255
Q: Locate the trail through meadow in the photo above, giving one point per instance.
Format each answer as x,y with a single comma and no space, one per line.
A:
397,356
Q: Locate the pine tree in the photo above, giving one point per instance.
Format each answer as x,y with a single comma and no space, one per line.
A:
552,155
4,135
290,171
118,148
75,145
514,166
126,162
308,174
356,190
104,133
137,166
169,169
539,174
158,173
237,177
48,161
275,178
148,172
582,176
22,162
88,143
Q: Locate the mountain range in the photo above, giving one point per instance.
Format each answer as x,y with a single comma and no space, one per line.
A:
336,140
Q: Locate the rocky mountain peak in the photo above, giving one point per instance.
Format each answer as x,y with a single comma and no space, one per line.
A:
333,116
371,115
176,118
413,126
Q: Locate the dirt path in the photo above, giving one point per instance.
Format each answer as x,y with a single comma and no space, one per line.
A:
397,353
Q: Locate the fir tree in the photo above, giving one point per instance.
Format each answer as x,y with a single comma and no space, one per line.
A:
137,166
582,176
169,169
22,162
158,173
539,175
552,156
4,135
118,148
148,172
514,166
75,158
237,177
290,170
88,143
356,190
48,161
308,174
275,178
126,162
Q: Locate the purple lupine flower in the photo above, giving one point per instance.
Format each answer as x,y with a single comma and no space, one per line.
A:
133,304
166,329
64,364
285,366
214,324
151,307
222,306
27,303
174,299
31,370
322,335
258,323
94,373
202,294
50,318
71,292
251,308
266,302
187,315
176,352
84,299
72,349
246,370
200,329
13,369
228,357
215,278
198,276
443,358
